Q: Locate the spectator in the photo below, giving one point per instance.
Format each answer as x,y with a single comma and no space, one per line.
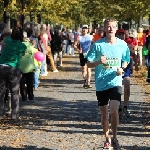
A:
47,36
65,41
9,70
57,43
31,37
37,68
27,68
70,49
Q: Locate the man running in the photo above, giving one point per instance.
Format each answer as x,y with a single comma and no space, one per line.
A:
131,42
106,56
100,34
82,45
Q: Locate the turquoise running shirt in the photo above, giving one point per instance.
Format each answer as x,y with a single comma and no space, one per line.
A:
105,75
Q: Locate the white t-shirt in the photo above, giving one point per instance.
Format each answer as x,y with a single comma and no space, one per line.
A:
71,37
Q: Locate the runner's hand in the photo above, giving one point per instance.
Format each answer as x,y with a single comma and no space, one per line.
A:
119,71
103,59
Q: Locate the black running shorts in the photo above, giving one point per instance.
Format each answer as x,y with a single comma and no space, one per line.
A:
110,94
83,60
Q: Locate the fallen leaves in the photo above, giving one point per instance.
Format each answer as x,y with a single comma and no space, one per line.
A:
140,78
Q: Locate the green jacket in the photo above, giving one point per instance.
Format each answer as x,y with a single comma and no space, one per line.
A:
27,60
12,52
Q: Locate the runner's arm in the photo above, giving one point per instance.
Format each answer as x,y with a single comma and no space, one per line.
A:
93,64
76,45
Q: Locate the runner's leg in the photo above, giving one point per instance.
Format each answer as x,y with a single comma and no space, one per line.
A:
104,121
103,98
83,69
89,75
114,106
126,91
84,72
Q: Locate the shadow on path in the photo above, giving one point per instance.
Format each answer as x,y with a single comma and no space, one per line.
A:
24,148
48,112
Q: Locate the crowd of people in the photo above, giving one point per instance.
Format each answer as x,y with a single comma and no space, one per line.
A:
112,52
20,71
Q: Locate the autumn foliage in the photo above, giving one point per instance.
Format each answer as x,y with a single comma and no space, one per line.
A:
79,11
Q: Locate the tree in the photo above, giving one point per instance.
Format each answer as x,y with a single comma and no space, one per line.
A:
69,12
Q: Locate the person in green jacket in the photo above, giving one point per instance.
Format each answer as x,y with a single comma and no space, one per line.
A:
10,73
27,67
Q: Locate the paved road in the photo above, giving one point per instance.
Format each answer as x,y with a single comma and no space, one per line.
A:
64,116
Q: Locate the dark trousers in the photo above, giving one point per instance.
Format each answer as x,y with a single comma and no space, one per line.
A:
6,95
26,86
10,76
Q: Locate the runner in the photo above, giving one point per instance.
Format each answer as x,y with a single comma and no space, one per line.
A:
133,45
82,45
100,34
124,35
106,56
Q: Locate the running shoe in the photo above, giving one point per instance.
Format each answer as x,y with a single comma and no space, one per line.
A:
89,86
55,70
115,144
107,145
126,113
120,113
85,84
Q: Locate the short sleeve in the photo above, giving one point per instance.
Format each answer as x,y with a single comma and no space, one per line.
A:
126,55
91,55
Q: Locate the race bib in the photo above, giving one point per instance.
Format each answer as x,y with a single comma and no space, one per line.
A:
112,63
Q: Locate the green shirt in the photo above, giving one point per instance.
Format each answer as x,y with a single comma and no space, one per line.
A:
27,61
12,52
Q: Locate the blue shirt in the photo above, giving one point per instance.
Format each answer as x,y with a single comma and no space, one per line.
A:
106,78
85,43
